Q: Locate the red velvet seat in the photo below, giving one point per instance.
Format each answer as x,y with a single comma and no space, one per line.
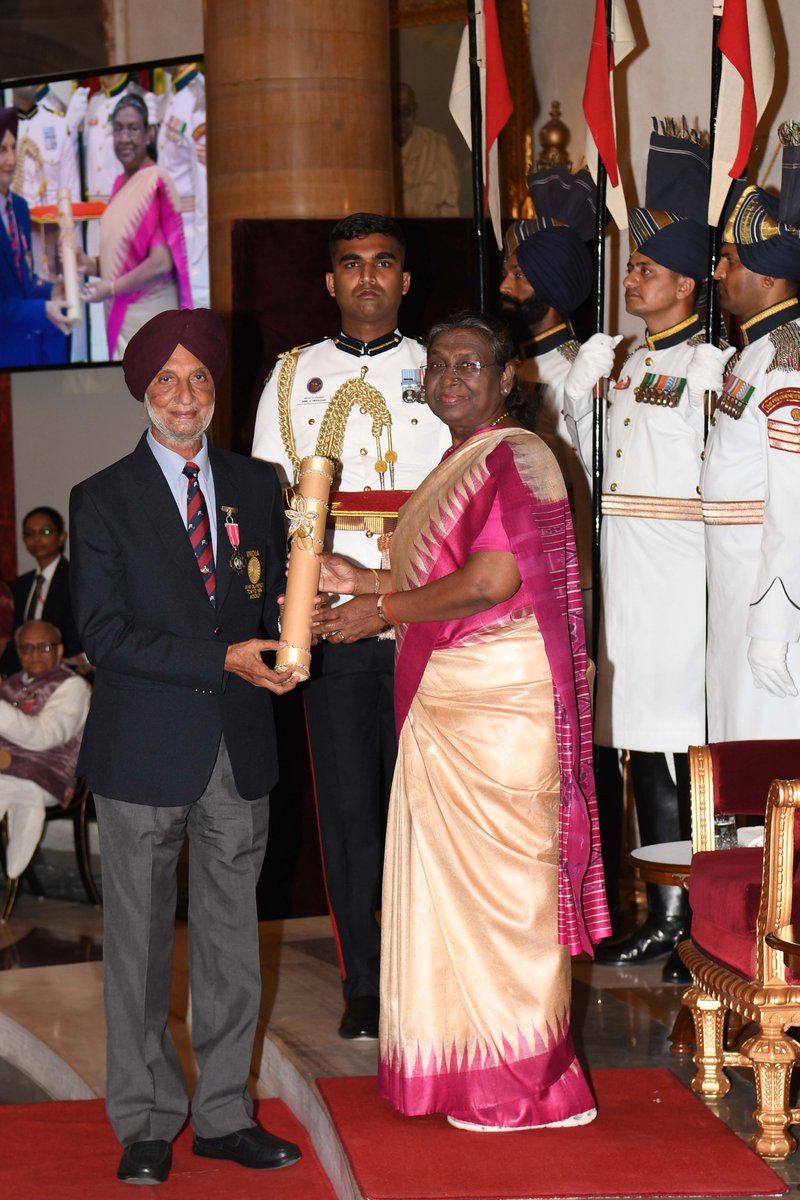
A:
737,898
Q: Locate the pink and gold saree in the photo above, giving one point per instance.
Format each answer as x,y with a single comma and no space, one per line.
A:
493,873
143,212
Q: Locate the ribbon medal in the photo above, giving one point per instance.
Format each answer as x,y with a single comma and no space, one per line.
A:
237,559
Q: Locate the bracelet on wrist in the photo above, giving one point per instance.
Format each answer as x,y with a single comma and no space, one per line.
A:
377,580
382,607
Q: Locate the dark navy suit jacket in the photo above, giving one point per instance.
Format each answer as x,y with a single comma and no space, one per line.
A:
27,338
162,699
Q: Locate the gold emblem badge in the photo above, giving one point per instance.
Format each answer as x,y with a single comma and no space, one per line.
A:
254,568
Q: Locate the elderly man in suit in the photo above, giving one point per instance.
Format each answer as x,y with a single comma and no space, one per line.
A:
177,562
33,318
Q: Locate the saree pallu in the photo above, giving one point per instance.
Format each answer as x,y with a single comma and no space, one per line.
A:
492,873
143,212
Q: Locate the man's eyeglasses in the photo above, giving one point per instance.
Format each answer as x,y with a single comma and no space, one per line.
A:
463,369
36,647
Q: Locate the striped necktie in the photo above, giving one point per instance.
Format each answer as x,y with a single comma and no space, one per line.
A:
13,235
33,605
199,530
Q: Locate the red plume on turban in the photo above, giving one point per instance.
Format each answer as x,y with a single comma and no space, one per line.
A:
198,330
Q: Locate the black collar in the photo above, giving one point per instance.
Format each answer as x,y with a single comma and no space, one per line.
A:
551,339
676,334
351,345
26,116
772,318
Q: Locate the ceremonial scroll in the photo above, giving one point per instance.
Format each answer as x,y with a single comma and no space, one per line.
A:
307,518
69,263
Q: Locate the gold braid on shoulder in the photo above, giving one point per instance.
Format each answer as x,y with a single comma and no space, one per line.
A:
26,148
285,380
332,428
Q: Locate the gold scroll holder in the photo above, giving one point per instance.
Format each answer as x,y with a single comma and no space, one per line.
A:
307,517
69,259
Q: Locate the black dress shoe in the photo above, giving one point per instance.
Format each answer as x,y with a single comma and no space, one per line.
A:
250,1147
655,939
145,1162
360,1019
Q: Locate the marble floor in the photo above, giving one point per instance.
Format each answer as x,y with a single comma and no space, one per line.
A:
52,1038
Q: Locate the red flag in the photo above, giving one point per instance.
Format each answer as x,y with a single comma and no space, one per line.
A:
598,107
496,102
748,70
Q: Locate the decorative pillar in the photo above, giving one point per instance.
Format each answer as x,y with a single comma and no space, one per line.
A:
299,118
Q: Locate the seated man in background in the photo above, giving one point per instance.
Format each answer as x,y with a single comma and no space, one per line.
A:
43,709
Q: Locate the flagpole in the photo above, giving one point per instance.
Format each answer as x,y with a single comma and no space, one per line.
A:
476,124
600,388
713,323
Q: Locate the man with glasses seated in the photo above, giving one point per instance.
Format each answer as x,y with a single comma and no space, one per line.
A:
43,709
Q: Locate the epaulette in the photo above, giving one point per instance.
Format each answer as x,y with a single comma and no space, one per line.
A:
285,354
56,112
786,340
569,349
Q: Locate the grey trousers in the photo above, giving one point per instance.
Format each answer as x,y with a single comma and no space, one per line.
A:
146,1094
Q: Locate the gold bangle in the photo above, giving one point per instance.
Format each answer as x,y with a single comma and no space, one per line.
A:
377,579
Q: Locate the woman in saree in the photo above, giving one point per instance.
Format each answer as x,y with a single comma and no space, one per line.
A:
142,264
492,874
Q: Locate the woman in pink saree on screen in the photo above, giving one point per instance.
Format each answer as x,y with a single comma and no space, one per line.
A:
492,874
142,264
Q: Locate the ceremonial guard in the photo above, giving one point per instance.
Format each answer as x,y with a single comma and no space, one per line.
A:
751,475
547,274
356,398
182,152
650,691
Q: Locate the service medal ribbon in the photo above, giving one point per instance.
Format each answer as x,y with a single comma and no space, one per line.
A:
237,560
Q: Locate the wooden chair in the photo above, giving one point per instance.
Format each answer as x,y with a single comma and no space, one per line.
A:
79,811
739,899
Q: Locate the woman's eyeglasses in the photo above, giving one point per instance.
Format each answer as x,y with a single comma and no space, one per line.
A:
463,369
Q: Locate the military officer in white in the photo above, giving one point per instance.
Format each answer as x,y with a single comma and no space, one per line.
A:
356,398
182,152
751,475
650,691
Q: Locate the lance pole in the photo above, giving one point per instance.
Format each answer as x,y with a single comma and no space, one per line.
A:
476,125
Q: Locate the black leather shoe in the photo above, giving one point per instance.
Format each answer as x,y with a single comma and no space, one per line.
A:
145,1162
250,1147
655,939
675,970
360,1019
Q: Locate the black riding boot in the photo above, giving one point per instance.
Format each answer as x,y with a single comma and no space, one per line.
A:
662,809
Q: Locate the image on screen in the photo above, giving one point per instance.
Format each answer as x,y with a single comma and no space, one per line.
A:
103,209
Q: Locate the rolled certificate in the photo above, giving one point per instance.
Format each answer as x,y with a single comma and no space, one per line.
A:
307,518
69,262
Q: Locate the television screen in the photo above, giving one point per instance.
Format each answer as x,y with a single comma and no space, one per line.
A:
103,209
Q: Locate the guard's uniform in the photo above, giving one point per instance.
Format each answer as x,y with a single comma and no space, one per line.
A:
181,145
329,399
650,692
543,363
47,161
751,500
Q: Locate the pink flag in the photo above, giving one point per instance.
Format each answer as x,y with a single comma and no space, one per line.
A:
748,73
496,105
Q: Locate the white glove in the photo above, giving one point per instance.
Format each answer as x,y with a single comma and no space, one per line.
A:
768,663
76,110
706,372
152,108
594,360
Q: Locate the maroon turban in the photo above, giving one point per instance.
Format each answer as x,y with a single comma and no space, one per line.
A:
8,122
198,330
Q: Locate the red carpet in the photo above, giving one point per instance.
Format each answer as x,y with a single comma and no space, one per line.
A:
652,1137
67,1151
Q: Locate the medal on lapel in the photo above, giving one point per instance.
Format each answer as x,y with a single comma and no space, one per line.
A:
237,560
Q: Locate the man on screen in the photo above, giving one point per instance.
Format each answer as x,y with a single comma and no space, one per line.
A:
33,319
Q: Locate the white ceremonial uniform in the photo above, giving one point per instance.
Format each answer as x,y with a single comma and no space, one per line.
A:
47,159
23,801
650,691
418,438
181,133
751,501
543,364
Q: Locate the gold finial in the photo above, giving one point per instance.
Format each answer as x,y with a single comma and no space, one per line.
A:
554,137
